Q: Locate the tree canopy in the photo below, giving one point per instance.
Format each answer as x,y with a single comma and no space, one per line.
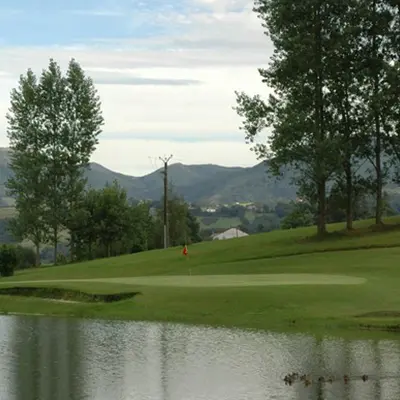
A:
335,80
53,126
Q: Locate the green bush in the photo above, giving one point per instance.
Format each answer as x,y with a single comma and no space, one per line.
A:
61,259
8,260
26,257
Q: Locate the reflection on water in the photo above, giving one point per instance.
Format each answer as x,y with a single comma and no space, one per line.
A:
59,359
44,359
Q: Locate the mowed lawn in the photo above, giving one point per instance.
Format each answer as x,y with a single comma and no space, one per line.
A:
284,280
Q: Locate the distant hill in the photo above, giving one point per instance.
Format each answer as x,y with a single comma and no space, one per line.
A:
203,184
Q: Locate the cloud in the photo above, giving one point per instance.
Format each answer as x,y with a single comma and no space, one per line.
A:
168,90
180,138
97,13
136,81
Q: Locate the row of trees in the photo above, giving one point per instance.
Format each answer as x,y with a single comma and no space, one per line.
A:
53,126
334,114
304,213
106,223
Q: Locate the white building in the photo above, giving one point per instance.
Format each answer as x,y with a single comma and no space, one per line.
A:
230,234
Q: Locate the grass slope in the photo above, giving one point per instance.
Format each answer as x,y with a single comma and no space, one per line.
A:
319,286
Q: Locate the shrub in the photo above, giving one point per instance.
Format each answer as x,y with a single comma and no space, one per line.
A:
61,259
8,260
26,257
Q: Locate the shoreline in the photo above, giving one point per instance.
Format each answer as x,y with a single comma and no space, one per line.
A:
321,327
228,286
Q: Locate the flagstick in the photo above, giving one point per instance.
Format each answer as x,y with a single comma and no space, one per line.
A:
187,257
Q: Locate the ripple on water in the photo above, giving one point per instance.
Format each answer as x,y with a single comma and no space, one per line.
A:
69,359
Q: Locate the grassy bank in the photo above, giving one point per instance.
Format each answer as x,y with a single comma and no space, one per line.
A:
284,280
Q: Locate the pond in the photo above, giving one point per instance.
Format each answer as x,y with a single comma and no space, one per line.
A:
64,359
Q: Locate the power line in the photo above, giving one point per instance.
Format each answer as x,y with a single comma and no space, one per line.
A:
165,160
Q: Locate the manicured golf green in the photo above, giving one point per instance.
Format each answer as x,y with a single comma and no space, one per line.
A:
204,281
283,280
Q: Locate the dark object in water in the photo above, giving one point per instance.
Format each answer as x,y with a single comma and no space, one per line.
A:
289,379
307,382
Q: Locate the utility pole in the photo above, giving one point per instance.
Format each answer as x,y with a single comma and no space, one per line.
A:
165,160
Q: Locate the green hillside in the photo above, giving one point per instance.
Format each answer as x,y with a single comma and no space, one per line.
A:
201,184
205,184
284,280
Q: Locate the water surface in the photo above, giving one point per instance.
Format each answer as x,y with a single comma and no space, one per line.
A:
63,359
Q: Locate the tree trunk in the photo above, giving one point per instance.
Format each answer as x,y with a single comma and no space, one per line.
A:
347,154
379,185
378,161
349,196
90,250
37,260
378,137
72,247
319,120
55,243
321,222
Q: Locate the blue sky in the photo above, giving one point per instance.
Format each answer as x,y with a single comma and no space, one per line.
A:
165,71
47,22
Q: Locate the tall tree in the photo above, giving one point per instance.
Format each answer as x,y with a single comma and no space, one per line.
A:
112,216
299,112
379,84
84,125
52,107
72,118
83,226
28,185
345,96
183,226
53,130
193,228
142,227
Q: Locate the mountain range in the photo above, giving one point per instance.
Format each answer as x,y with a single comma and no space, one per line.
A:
202,184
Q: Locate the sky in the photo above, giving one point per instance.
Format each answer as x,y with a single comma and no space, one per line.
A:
165,70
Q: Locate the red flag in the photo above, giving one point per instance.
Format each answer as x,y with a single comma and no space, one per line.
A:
185,251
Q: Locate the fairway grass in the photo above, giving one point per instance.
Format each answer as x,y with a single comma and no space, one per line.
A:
204,281
283,281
